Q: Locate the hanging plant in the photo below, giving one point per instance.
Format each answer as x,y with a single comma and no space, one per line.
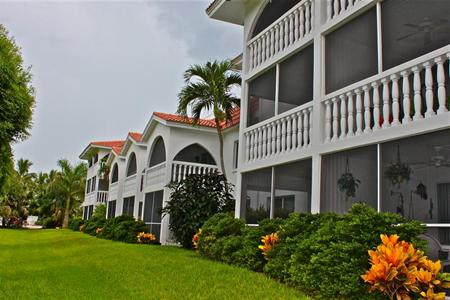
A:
348,184
103,171
398,172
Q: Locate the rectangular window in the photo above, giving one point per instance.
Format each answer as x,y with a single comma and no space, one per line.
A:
152,211
413,28
349,177
90,211
112,209
94,183
351,52
296,80
128,206
235,154
88,186
261,97
291,191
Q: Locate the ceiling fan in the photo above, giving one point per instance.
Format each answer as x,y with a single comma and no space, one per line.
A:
426,27
437,160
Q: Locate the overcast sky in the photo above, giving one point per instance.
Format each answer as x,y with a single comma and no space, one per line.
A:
101,68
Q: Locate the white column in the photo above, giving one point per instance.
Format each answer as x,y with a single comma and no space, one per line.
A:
288,133
299,129
278,149
305,128
307,17
283,135
274,138
429,95
302,21
395,101
291,29
329,9
247,149
406,100
343,117
264,141
367,114
335,119
359,113
386,107
417,95
296,25
294,132
351,114
441,93
376,106
327,121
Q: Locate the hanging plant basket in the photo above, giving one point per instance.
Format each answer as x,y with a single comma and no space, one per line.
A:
398,172
348,184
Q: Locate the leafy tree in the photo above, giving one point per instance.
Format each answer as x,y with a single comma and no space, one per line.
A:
193,201
16,101
68,187
208,88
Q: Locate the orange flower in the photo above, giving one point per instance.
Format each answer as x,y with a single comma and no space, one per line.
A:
268,241
145,238
389,240
196,237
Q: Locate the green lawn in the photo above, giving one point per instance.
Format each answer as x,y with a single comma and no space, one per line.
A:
61,264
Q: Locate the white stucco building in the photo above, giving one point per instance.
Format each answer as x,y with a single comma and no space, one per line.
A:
334,87
142,165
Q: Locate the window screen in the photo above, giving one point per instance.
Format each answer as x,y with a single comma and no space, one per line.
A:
261,101
132,165
158,153
128,206
112,209
256,195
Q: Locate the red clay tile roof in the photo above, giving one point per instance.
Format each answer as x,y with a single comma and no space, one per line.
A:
135,136
116,146
202,122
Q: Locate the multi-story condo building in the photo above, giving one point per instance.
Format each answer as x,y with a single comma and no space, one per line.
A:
344,101
169,149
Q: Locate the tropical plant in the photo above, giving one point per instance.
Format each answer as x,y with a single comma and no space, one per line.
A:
68,187
16,101
400,271
208,88
193,201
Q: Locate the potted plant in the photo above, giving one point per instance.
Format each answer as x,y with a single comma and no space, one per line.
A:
348,184
398,172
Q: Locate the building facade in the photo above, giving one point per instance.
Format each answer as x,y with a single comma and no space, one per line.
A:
169,149
344,101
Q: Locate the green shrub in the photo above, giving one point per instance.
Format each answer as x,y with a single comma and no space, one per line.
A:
91,225
100,211
122,228
193,201
48,222
75,224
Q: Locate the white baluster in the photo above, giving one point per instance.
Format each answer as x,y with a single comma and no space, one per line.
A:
351,114
312,15
281,35
272,41
255,144
417,95
286,32
269,140
367,115
310,125
329,9
296,25
406,100
305,128
307,18
264,141
276,39
343,117
441,93
278,149
283,135
294,132
386,107
335,119
299,129
288,133
274,138
250,146
258,156
247,149
302,21
359,112
395,101
263,48
291,29
335,8
327,121
342,8
376,106
250,54
429,95
255,54
259,52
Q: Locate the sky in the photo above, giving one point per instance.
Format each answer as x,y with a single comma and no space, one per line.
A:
100,68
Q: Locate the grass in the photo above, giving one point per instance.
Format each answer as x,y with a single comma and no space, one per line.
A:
61,264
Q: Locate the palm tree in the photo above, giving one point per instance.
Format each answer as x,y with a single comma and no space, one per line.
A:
69,186
208,88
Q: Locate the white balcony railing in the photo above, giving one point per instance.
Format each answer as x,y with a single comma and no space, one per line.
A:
155,175
290,28
181,169
388,99
337,7
102,196
130,184
287,132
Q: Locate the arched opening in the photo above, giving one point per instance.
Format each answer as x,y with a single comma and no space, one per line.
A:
158,154
115,173
132,165
196,154
272,11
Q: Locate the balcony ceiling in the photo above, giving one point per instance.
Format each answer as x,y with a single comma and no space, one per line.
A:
231,11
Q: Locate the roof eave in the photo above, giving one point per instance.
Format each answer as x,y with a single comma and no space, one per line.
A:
227,11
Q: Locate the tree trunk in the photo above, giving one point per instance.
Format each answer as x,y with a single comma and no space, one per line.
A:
222,163
65,223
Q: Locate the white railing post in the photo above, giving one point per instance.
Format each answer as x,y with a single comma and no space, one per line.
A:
395,101
406,100
429,97
440,77
417,95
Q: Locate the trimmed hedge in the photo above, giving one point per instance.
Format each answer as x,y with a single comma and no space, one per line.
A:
75,224
323,255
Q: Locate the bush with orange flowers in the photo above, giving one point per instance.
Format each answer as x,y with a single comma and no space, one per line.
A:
98,230
268,241
400,271
146,238
195,238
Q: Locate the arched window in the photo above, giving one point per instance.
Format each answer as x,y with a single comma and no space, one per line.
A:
196,154
115,173
272,11
158,154
132,165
